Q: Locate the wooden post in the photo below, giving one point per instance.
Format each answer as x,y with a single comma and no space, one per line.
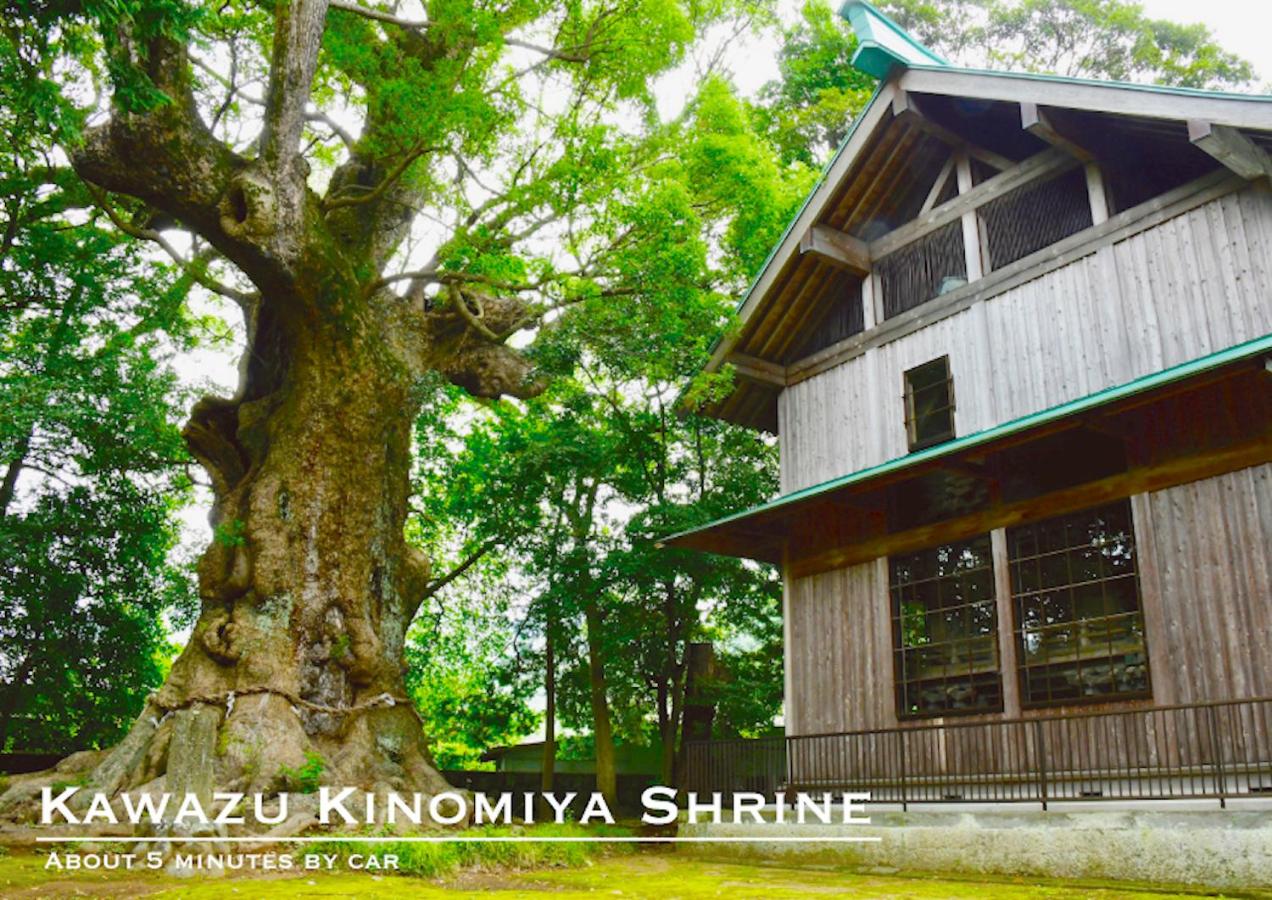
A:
1095,191
1008,663
870,312
971,220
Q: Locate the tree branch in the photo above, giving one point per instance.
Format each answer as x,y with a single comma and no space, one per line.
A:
242,298
458,572
349,140
385,183
379,16
298,27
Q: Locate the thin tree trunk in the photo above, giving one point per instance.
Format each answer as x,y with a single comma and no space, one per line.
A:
677,726
549,712
52,355
671,684
666,734
602,732
10,483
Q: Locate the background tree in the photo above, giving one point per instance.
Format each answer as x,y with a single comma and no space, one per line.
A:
808,110
1082,38
576,485
91,462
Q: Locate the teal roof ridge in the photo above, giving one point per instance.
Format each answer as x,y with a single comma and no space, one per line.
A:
882,44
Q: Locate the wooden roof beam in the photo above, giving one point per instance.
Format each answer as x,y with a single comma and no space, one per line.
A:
755,369
937,186
905,107
1041,165
837,248
1038,122
1230,147
1148,101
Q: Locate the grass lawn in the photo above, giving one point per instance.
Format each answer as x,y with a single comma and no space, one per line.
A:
643,873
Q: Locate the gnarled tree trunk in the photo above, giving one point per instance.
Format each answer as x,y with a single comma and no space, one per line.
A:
308,586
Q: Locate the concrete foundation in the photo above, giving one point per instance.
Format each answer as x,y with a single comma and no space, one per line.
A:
1213,848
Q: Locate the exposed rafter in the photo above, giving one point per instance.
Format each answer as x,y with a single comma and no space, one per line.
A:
837,248
1041,124
1231,147
938,185
905,107
756,369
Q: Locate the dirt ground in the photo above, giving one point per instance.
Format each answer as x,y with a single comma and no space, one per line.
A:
659,874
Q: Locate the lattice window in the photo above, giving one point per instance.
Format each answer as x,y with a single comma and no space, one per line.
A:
1079,625
945,630
843,318
1035,216
917,272
929,404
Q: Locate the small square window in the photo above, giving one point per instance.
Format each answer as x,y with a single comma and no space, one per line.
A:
929,404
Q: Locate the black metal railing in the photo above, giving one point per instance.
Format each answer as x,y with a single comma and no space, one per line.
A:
1202,750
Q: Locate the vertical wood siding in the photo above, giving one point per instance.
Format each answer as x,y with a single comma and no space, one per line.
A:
1190,286
1205,552
1205,564
839,657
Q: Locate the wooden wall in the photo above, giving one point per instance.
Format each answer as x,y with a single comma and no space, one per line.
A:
839,651
1182,289
1205,552
1205,561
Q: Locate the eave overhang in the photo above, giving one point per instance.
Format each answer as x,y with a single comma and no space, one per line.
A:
1215,410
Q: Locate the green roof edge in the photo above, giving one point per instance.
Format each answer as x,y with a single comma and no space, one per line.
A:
1081,404
1175,90
874,56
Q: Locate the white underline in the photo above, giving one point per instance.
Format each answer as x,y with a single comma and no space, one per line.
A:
461,839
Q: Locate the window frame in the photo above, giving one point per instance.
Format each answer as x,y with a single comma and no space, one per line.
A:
897,616
911,415
1018,627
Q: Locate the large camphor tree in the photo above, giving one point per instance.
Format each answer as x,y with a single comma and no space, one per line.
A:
297,158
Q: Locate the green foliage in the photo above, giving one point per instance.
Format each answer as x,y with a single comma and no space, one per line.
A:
571,489
566,495
1111,39
808,110
91,460
306,778
231,533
